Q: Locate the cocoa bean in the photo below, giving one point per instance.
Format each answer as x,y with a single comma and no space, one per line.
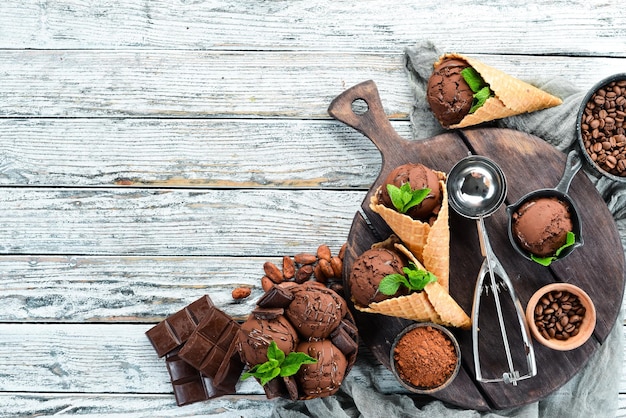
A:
326,268
323,252
266,283
273,272
304,273
289,268
305,258
241,293
337,266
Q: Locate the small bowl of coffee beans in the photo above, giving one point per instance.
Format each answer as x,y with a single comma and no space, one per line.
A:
601,127
561,316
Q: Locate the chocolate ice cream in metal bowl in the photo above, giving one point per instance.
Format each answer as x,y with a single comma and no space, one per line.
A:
539,222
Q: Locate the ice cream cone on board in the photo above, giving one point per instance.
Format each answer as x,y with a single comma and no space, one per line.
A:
429,243
433,304
512,96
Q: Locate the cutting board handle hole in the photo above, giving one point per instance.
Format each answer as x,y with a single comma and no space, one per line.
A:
360,107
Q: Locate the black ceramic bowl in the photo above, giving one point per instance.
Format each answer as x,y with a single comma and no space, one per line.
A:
581,119
572,166
564,197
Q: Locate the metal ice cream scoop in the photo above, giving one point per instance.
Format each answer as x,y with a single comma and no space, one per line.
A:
476,189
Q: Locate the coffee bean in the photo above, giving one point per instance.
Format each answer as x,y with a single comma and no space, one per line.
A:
603,120
557,317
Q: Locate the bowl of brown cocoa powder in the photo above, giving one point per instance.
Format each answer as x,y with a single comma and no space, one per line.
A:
425,357
601,127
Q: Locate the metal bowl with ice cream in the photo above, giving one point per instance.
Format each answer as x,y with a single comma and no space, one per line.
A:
541,224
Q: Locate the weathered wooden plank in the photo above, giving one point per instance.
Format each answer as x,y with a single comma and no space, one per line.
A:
574,27
187,153
132,406
124,288
82,83
172,222
75,359
102,358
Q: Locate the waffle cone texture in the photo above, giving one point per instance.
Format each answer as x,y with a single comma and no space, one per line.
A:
433,304
429,244
512,95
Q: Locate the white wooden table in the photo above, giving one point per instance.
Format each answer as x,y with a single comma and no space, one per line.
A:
155,151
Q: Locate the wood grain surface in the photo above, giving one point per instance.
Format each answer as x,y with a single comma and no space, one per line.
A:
154,151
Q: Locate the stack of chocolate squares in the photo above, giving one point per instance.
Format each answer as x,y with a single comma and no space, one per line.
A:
206,350
199,343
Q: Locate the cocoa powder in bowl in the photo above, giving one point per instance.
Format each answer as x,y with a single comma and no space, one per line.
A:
425,357
601,127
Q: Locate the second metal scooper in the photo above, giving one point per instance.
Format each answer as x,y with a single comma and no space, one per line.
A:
476,189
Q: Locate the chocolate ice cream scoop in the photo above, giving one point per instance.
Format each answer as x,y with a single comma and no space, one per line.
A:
541,225
315,311
257,333
367,272
419,177
324,377
449,96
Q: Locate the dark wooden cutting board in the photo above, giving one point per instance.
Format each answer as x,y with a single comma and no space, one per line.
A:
529,163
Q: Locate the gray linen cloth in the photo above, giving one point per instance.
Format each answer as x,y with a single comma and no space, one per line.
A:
591,393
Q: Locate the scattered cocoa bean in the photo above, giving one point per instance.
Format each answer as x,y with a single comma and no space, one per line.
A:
289,268
318,272
266,283
342,250
241,293
305,258
337,265
273,272
326,267
304,273
323,252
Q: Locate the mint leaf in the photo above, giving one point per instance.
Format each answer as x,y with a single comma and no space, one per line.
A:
250,373
269,376
570,240
269,365
480,97
414,279
480,88
472,78
275,353
404,198
418,279
390,284
293,361
278,364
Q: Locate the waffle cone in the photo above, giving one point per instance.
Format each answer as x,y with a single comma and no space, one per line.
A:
512,95
414,306
433,304
450,313
429,244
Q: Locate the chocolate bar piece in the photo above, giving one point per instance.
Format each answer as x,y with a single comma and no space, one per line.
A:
343,341
276,388
276,297
292,387
174,330
209,344
188,384
267,313
230,370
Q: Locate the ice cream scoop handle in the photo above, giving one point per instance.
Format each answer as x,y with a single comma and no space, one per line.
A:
572,165
372,121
